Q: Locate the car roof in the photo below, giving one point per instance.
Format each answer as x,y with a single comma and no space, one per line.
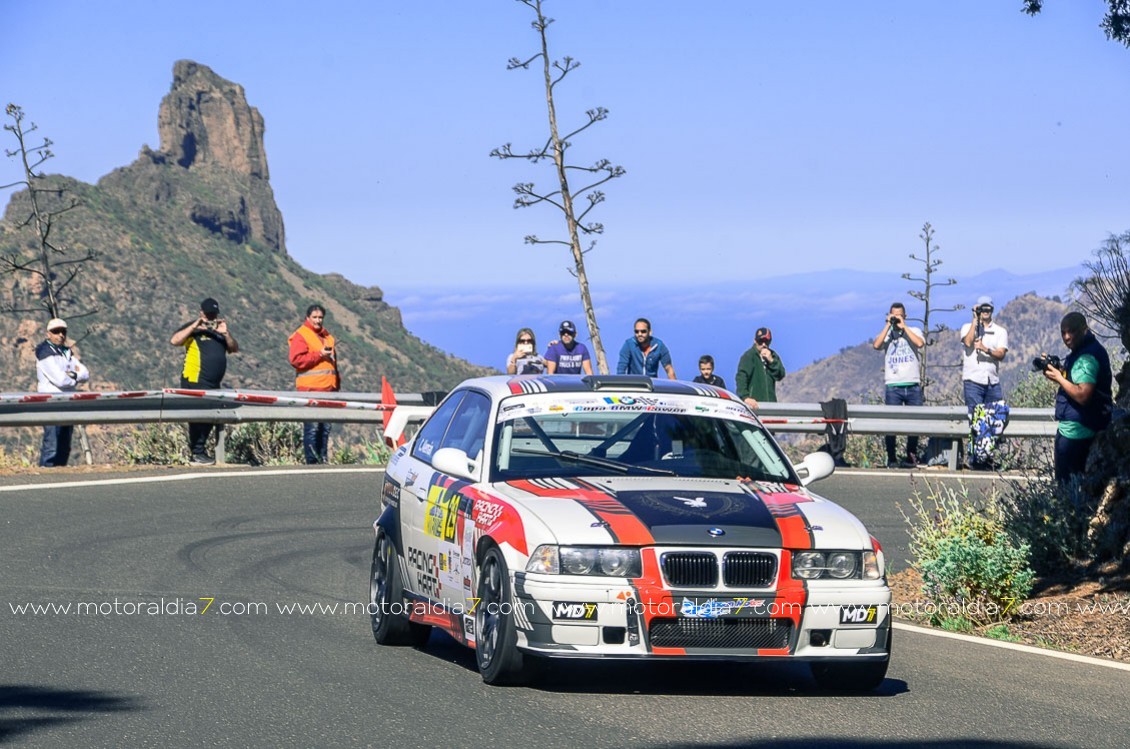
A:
502,386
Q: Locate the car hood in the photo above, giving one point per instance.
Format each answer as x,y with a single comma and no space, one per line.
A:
644,511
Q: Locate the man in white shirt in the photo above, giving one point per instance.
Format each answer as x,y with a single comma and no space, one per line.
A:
58,371
986,344
902,374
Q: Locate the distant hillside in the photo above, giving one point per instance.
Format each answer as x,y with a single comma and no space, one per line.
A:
195,219
856,373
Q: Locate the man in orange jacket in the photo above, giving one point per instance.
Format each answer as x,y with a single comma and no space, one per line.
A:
314,358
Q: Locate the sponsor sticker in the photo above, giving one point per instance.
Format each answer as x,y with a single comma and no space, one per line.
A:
716,608
859,614
390,492
567,610
441,513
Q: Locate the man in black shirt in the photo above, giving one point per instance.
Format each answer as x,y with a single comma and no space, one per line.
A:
207,341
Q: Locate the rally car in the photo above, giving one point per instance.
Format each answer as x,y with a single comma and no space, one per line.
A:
537,517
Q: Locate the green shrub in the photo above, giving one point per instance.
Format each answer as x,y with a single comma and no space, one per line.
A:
152,444
1051,519
970,567
265,443
375,453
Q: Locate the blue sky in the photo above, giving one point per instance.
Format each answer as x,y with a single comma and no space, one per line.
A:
760,138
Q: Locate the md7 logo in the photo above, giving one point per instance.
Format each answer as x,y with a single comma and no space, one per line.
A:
574,611
858,614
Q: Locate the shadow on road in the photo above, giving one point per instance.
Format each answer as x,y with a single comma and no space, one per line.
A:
21,704
701,678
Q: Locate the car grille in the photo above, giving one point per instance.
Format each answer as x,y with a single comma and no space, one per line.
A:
749,569
697,569
728,634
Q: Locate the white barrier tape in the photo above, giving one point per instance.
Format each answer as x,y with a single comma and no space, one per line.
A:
278,400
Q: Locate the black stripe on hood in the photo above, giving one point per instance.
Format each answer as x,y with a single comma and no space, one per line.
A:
684,517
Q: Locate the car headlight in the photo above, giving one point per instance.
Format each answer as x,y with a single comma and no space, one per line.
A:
607,561
837,565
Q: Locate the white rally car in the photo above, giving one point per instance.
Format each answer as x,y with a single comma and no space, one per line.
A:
538,517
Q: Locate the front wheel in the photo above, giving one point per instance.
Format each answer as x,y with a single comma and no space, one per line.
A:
387,610
496,637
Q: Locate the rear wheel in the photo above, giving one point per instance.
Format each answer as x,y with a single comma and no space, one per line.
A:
496,637
387,610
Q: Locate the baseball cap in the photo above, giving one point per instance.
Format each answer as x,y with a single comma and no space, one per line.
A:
55,323
982,300
567,326
210,306
763,334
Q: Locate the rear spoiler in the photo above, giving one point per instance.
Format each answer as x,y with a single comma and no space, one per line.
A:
400,418
397,418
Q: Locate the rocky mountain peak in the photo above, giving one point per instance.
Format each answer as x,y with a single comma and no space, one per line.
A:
205,119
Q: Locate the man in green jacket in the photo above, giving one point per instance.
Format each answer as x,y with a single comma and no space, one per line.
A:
759,371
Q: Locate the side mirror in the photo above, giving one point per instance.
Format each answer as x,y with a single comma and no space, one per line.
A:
454,462
816,466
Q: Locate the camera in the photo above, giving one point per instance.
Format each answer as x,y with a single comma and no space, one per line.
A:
893,320
1040,363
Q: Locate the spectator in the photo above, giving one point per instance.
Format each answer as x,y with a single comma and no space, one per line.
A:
759,371
1084,400
901,344
314,358
207,341
568,355
986,344
706,372
58,371
642,354
525,359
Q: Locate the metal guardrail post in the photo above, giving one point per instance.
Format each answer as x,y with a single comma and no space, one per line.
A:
220,444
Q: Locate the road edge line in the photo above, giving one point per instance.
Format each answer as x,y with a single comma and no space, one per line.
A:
1088,659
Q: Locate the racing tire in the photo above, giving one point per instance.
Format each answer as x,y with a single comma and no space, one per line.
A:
496,636
387,610
850,677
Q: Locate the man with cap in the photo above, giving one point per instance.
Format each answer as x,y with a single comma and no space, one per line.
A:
759,371
313,354
986,343
58,371
568,356
207,341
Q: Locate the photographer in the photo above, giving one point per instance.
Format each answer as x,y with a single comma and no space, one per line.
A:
313,354
207,341
986,344
1083,402
902,374
759,371
525,359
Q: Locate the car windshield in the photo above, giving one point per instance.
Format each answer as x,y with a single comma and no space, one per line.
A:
533,441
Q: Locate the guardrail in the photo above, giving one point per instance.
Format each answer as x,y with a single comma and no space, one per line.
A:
224,407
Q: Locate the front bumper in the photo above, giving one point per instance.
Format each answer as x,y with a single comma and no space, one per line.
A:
563,616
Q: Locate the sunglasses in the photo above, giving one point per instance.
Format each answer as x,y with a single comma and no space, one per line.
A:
525,340
58,330
642,332
565,332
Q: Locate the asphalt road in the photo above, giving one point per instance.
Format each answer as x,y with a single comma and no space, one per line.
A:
246,672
